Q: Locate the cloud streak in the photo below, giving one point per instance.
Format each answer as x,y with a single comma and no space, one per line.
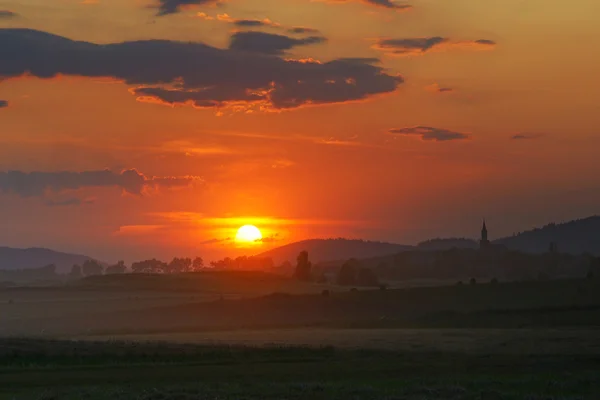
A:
428,133
169,72
526,136
29,184
6,14
422,45
268,43
168,7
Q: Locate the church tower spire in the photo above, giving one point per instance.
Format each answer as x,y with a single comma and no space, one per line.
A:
484,236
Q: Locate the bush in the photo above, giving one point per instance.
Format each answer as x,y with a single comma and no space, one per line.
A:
473,281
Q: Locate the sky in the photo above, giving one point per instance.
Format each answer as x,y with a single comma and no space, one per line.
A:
133,129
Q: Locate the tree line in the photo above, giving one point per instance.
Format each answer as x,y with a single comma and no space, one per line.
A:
351,273
175,266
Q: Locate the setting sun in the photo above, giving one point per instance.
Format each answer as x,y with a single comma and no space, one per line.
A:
248,233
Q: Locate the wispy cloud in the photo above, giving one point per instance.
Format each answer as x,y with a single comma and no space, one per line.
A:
5,14
28,184
167,7
527,136
423,45
429,133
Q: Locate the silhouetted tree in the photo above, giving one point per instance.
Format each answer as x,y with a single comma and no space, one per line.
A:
92,267
118,268
348,273
179,265
153,266
75,272
494,281
473,281
197,264
303,268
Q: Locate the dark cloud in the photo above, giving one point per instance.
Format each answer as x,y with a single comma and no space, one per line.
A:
361,60
300,30
3,103
28,184
429,133
166,7
388,4
176,72
268,43
526,136
8,14
250,23
415,46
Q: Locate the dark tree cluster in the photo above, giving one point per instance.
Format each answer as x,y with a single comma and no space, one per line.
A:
303,267
353,273
251,263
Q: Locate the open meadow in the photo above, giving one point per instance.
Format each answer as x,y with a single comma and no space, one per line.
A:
260,336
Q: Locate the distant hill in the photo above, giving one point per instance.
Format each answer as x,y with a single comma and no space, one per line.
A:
574,237
13,259
333,249
446,244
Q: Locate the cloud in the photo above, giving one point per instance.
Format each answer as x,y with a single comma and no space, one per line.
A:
526,136
27,184
388,4
215,241
422,45
169,72
269,239
300,30
3,103
429,133
257,23
7,14
435,88
268,43
167,7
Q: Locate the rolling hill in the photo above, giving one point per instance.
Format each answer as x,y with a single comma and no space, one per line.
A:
332,249
13,259
574,237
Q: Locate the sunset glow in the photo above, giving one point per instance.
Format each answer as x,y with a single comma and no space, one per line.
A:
175,123
248,234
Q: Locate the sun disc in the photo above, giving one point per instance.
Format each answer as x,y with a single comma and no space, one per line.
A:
248,233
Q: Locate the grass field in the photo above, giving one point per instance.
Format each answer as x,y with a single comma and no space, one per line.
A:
35,369
265,337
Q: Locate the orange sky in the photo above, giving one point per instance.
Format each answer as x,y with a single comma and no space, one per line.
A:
506,95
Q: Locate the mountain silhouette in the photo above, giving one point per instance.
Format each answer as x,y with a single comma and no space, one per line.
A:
13,259
574,237
332,249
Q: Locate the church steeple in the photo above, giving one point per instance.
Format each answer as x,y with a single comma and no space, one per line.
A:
484,236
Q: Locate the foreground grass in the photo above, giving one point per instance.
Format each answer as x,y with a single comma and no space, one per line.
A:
36,369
